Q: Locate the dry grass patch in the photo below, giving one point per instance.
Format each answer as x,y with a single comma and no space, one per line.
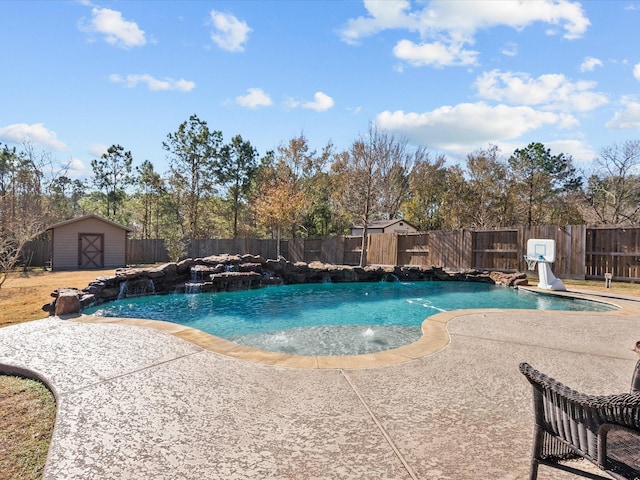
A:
617,288
28,415
23,295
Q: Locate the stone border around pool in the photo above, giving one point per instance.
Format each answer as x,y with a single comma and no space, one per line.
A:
434,336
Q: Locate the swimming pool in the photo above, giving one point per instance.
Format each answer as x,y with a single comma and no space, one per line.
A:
330,318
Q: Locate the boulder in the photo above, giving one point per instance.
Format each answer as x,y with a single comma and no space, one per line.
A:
250,267
87,300
249,258
520,282
226,259
107,294
277,266
508,279
184,266
67,302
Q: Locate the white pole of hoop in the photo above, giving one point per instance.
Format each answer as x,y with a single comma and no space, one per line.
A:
546,279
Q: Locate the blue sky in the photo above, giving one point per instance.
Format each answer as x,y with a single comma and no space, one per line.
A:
452,76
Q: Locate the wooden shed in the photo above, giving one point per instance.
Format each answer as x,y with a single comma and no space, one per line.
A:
385,226
89,242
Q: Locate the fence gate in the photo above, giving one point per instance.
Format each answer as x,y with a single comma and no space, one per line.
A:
382,249
90,250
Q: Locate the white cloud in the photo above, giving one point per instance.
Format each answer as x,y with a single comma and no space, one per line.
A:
551,91
436,54
470,17
510,49
97,149
629,117
444,27
465,18
589,64
578,149
383,15
636,71
75,165
254,98
35,133
230,33
291,103
468,124
73,168
116,30
321,102
152,83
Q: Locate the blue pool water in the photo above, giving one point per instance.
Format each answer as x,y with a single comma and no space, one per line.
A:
330,318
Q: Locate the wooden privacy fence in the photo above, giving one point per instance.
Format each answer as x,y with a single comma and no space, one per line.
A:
267,248
146,251
36,253
581,251
613,250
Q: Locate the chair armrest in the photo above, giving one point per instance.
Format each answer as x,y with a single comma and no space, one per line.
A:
612,404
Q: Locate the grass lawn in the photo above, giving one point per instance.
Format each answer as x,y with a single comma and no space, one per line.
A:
28,415
27,406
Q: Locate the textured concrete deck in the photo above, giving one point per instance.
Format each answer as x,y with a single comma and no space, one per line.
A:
138,403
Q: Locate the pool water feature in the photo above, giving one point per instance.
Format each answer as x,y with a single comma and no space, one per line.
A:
330,318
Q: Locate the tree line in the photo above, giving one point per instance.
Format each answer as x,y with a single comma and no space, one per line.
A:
218,189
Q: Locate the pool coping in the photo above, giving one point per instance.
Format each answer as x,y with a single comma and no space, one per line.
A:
435,335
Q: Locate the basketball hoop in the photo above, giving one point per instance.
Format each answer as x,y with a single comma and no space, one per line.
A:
542,251
531,262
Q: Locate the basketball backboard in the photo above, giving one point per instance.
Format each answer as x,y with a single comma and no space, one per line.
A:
542,249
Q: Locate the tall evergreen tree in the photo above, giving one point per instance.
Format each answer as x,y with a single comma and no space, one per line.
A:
194,151
150,188
111,176
235,170
540,178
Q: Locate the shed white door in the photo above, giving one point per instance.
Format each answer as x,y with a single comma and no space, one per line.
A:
90,250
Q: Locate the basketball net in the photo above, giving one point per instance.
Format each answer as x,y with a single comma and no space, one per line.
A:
531,262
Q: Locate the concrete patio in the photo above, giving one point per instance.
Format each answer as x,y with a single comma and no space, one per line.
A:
138,403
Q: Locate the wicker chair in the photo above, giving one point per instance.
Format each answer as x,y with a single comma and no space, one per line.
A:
570,425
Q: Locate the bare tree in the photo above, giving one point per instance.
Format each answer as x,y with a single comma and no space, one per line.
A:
23,210
375,179
12,242
425,207
613,189
491,201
